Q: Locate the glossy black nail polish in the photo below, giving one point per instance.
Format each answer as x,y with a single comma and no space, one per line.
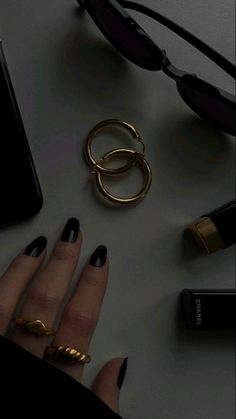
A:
36,247
215,231
99,257
122,373
71,231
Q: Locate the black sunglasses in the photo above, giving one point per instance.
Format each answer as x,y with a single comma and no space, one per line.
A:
208,101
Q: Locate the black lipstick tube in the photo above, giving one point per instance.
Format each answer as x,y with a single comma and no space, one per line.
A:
216,230
209,309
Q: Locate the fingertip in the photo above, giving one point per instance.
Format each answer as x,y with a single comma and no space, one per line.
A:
99,257
71,231
122,373
36,247
109,382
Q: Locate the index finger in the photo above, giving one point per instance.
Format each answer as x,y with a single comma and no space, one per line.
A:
16,278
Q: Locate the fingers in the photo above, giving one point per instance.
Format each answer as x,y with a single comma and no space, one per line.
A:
83,310
109,381
16,278
49,288
45,296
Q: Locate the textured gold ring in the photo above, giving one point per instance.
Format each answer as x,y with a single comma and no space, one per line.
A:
147,174
96,165
67,354
36,327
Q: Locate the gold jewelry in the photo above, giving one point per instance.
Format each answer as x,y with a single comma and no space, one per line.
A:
134,157
143,164
67,354
36,327
96,165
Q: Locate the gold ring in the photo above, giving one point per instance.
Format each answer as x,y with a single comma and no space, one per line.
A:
143,164
96,165
36,327
67,354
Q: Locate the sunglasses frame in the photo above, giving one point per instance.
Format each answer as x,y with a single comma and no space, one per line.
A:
160,61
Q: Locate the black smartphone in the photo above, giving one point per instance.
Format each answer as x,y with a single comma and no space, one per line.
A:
20,192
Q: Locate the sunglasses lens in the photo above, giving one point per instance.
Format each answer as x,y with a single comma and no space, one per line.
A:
213,104
125,34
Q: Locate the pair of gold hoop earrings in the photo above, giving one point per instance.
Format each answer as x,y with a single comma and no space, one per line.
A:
134,157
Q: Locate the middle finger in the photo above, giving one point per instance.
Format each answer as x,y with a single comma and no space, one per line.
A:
49,289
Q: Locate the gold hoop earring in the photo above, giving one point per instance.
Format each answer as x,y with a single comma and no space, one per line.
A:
143,164
96,165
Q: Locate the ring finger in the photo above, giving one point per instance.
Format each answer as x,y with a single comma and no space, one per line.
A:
82,312
49,289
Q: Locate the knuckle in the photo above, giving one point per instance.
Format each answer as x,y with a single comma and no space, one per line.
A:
43,298
64,254
95,279
19,263
80,321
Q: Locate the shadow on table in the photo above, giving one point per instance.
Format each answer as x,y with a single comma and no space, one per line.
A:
88,71
192,150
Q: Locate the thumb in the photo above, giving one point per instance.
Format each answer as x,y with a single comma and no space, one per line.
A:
109,381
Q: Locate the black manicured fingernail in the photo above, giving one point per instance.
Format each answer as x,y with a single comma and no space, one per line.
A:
71,231
122,373
36,247
99,257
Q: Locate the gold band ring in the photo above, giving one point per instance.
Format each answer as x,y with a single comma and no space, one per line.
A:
96,165
143,164
67,354
36,327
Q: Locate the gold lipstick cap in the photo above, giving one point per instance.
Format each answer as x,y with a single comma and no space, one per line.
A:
206,235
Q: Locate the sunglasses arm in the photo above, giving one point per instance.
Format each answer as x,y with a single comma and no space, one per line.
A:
213,55
170,70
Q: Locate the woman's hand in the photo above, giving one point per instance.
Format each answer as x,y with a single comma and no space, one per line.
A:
44,298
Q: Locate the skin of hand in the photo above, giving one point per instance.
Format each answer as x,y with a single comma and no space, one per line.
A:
46,287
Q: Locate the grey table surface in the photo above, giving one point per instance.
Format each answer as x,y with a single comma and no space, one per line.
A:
67,77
